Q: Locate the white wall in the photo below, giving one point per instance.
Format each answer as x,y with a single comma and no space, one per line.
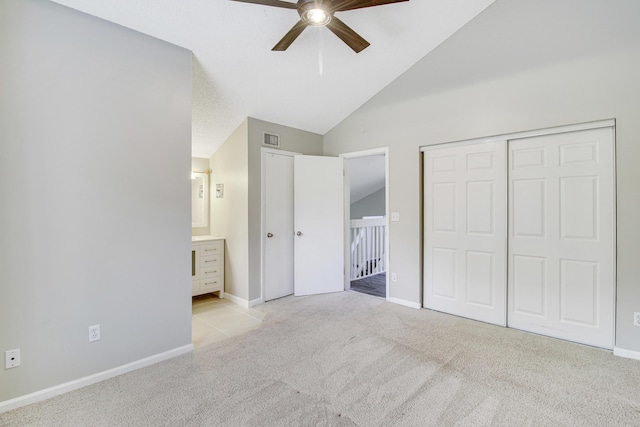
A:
229,215
95,129
520,65
371,205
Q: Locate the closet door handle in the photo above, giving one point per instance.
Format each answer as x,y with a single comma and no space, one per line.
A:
299,233
269,235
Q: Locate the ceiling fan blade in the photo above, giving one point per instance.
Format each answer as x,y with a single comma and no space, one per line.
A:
342,5
347,35
274,3
290,36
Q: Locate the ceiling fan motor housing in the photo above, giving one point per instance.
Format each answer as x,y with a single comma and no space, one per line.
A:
316,13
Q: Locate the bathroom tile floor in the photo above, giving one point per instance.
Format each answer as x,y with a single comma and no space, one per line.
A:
214,319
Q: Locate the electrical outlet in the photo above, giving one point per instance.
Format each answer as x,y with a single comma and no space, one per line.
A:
94,333
394,277
636,318
395,216
12,358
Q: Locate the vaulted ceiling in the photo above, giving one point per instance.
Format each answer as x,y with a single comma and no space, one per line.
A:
314,85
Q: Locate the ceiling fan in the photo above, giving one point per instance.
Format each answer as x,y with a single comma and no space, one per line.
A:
319,13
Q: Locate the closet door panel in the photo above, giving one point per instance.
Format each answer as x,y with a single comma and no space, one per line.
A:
561,218
465,231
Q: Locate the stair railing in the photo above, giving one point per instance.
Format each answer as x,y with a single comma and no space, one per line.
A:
367,247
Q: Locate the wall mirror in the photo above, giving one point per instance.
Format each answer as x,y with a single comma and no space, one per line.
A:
199,199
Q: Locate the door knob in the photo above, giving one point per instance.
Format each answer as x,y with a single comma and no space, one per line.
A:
299,233
269,235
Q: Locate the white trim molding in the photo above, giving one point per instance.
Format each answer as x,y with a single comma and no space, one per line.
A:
365,153
406,303
237,300
243,302
57,390
629,354
610,123
255,302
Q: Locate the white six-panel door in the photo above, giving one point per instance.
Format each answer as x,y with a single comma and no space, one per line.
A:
561,243
465,231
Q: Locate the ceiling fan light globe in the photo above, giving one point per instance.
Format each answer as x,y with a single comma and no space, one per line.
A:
317,17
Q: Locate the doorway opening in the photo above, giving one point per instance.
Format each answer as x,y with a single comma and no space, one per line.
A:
366,237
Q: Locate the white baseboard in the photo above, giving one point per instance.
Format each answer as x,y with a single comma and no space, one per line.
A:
405,303
255,302
237,300
629,354
243,302
57,390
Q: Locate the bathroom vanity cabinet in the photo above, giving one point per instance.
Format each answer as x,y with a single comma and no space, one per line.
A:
207,265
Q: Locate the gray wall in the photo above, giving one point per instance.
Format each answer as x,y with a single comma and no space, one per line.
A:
95,130
291,139
371,205
520,65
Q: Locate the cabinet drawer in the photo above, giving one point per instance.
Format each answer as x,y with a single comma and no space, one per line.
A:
210,272
209,261
211,285
211,249
195,286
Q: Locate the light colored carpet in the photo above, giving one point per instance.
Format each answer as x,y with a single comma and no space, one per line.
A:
350,359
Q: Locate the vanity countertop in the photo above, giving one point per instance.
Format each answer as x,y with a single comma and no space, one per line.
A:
204,238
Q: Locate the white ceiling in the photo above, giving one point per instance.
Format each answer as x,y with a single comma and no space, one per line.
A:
313,85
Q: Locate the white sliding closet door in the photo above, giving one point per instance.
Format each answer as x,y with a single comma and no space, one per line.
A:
561,246
465,231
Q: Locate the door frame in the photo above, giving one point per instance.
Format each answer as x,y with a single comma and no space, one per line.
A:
263,211
347,213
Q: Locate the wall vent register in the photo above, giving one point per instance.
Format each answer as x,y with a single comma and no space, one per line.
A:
271,140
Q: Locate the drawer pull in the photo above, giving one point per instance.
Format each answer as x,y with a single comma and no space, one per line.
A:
211,260
211,250
209,272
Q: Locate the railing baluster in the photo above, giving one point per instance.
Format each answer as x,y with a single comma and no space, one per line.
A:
367,247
